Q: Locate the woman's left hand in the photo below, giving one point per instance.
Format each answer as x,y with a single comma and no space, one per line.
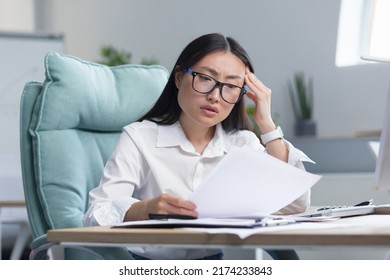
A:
261,96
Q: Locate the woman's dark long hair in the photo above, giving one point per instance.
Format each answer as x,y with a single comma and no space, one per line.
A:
167,110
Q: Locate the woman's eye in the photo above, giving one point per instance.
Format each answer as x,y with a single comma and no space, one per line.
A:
204,78
230,86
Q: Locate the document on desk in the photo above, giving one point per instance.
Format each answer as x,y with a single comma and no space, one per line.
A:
207,223
247,182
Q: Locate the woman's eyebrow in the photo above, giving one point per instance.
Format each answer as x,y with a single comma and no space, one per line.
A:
214,72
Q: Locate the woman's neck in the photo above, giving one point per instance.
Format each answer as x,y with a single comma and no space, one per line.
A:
199,136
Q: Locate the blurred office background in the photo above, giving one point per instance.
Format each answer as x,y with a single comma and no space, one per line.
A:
282,37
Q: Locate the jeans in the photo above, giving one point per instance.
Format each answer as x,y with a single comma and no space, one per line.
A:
275,254
218,256
283,254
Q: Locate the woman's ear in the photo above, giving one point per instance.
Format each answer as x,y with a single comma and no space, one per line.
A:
178,77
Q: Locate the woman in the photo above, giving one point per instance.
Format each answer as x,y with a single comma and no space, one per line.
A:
198,118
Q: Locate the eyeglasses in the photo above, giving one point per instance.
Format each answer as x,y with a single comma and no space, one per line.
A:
205,84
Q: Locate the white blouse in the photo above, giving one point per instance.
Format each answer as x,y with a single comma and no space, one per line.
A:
152,159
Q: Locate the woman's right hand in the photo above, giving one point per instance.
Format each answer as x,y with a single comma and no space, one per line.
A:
162,204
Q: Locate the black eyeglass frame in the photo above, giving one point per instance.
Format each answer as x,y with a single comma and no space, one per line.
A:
218,84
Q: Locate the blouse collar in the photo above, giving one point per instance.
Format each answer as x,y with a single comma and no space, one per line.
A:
173,135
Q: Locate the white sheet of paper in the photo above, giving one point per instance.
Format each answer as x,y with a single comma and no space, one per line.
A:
247,182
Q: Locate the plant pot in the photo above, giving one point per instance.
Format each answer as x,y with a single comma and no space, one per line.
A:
305,128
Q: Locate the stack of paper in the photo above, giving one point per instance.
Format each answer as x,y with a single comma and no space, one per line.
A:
207,223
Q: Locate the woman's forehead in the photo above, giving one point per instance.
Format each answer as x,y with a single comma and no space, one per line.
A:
221,61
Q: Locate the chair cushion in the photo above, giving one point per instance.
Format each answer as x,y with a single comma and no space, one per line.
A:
76,123
82,94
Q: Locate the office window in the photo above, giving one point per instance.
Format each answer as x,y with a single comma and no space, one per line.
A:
379,41
363,30
352,31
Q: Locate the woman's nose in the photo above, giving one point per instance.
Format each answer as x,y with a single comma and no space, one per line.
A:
214,95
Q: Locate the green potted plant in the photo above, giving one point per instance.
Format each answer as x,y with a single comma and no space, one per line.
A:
111,56
250,110
301,94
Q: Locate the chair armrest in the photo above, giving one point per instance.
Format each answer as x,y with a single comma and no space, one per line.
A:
40,245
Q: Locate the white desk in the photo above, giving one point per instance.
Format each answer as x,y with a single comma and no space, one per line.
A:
371,231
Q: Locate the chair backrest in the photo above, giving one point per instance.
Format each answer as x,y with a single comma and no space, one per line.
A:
69,126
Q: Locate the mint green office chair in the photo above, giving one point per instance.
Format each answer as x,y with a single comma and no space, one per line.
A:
69,125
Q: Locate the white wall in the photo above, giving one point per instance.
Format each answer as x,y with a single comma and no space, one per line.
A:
282,36
17,15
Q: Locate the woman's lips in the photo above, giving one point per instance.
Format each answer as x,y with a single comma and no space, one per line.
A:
209,110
